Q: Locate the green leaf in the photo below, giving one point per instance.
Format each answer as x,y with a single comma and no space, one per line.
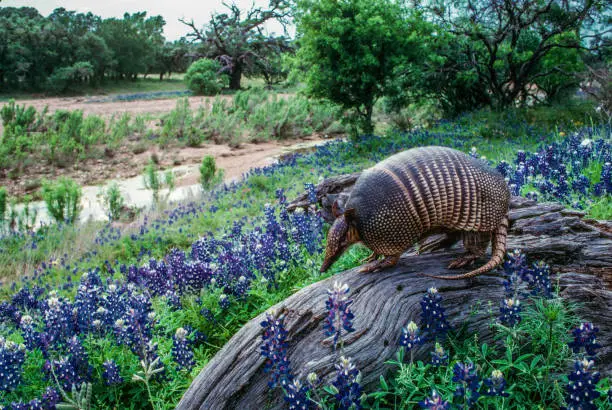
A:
383,383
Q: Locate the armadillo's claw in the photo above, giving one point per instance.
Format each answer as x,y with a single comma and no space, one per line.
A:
462,261
377,265
371,258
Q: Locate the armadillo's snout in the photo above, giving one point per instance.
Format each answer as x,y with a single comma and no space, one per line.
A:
326,264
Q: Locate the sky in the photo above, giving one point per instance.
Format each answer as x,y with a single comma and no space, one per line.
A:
170,10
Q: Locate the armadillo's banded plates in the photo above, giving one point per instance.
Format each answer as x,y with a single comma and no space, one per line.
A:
423,189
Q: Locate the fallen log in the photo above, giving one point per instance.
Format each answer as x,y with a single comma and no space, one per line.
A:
578,250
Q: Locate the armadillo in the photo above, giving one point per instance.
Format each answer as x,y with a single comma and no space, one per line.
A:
418,192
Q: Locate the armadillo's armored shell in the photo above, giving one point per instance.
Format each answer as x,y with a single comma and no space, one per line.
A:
422,190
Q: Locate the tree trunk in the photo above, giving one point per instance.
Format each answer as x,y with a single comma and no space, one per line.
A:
579,252
236,77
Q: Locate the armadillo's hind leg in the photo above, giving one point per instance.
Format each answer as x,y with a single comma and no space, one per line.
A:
374,256
475,243
444,241
386,262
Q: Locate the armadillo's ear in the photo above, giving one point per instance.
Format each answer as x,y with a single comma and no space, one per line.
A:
349,213
336,210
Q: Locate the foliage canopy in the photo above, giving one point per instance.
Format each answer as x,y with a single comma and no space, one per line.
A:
349,50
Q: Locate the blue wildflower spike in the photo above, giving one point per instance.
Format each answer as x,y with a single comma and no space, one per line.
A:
581,390
433,318
434,402
339,315
181,352
510,312
411,336
274,350
467,381
347,383
111,373
585,337
495,385
12,357
439,357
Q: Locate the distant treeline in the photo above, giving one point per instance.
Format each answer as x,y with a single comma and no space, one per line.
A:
68,49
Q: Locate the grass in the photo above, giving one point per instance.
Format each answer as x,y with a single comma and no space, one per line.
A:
149,84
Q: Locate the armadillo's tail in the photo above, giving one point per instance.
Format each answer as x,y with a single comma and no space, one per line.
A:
497,253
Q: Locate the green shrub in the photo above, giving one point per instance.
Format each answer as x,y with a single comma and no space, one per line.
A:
3,198
17,115
178,124
154,182
120,130
209,174
113,202
93,130
65,78
63,199
204,77
25,219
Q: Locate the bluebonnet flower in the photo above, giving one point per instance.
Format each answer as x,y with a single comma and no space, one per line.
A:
242,287
539,279
606,177
439,357
111,373
585,337
208,315
467,383
339,315
58,319
50,398
135,328
411,336
78,358
510,312
581,390
64,371
296,396
347,383
581,184
181,352
312,193
274,349
31,338
432,314
12,357
494,385
503,167
434,402
536,278
224,302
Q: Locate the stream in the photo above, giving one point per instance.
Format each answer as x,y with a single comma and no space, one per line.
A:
136,195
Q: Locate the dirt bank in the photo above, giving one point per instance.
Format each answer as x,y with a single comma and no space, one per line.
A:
107,109
125,164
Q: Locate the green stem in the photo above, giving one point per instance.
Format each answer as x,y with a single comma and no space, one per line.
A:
150,394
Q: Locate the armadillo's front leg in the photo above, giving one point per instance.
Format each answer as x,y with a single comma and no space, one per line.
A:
386,262
374,256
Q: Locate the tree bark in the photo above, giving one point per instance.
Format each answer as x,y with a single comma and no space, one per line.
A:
236,77
578,250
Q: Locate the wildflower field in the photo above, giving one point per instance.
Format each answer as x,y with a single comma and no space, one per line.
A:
109,317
